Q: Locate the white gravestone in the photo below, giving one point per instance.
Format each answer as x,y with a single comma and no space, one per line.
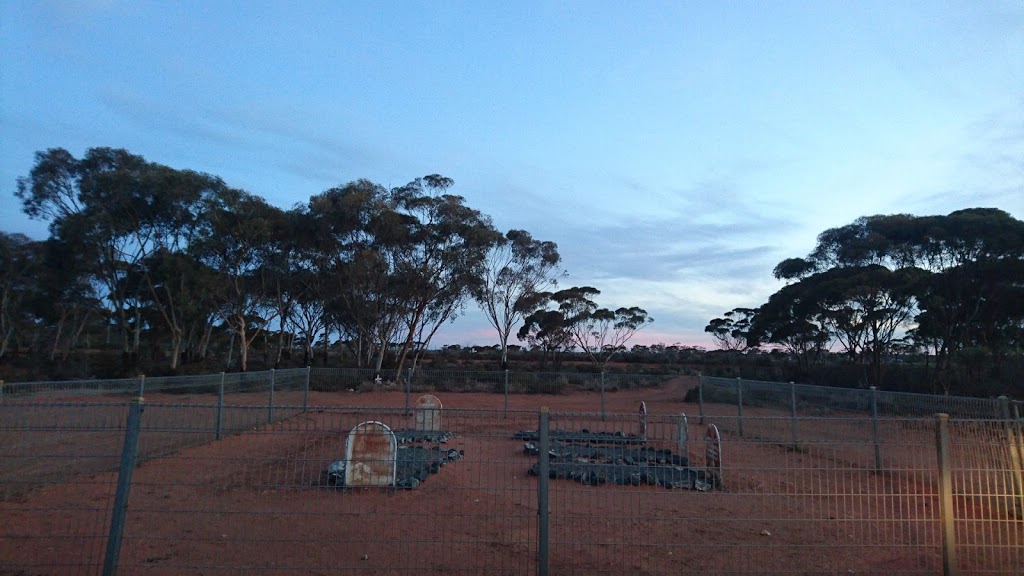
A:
643,420
370,455
428,414
683,432
713,452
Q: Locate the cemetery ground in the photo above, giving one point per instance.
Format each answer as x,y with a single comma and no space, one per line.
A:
256,502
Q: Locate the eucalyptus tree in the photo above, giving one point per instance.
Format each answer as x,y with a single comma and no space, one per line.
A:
951,282
356,233
791,319
599,332
282,265
441,246
178,298
732,332
20,265
970,297
863,307
310,283
66,299
176,281
236,243
546,330
106,204
517,272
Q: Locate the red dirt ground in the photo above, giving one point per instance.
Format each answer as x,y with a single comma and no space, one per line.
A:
251,503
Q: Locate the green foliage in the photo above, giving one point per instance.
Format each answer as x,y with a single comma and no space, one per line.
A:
951,287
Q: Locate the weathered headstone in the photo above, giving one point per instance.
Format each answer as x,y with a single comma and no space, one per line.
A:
713,452
643,420
428,414
370,455
683,432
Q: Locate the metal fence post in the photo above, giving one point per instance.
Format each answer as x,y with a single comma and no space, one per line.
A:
739,406
1016,474
949,563
700,396
543,467
874,428
142,385
129,455
305,390
506,392
792,412
220,405
270,400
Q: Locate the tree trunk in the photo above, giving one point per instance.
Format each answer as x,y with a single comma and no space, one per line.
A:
327,342
280,347
137,331
231,348
243,348
5,341
75,336
380,358
56,338
243,355
176,340
204,342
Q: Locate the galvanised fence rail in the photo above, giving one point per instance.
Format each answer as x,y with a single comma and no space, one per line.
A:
292,386
142,487
809,400
794,415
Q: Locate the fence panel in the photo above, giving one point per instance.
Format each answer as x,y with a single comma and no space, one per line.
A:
776,511
458,381
58,474
818,401
201,388
55,390
987,495
267,502
256,486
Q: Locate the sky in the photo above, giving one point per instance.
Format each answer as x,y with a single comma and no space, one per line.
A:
675,151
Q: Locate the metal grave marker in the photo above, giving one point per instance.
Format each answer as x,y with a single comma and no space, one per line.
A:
643,420
713,452
370,455
683,432
428,414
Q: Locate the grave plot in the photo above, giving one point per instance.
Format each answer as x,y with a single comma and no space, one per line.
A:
426,424
377,456
413,465
593,465
615,458
625,454
584,436
422,437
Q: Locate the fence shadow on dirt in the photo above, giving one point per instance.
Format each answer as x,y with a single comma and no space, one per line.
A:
246,484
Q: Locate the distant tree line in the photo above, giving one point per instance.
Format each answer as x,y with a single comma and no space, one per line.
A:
174,263
946,292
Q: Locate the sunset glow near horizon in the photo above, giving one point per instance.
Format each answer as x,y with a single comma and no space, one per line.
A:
675,152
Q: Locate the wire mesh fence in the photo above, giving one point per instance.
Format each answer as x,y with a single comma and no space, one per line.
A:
809,400
339,380
283,487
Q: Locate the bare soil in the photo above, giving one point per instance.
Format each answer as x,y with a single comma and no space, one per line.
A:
254,502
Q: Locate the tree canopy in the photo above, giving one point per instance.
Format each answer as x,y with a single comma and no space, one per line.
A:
171,261
950,287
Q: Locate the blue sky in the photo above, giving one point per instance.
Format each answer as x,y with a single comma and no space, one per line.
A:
675,151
